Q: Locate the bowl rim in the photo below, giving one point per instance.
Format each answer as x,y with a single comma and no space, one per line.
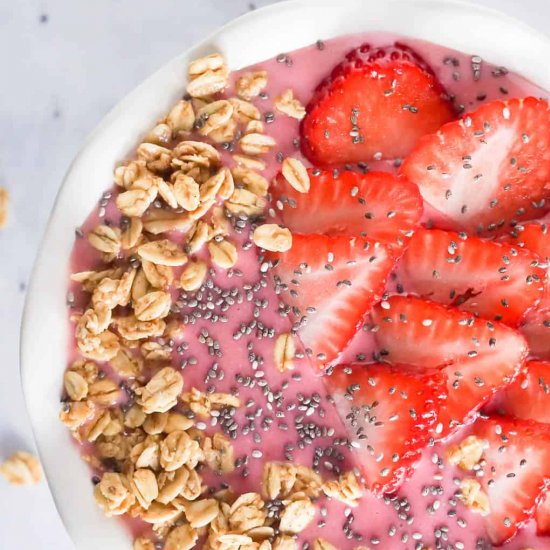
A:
41,305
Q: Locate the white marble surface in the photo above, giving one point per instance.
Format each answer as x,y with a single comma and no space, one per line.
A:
64,64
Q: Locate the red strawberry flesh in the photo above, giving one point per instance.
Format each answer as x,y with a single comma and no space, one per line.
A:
376,104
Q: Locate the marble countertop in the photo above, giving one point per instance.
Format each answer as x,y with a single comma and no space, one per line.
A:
64,65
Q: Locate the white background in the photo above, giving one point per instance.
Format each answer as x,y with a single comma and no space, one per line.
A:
63,65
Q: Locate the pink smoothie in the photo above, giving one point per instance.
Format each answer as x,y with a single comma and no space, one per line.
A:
231,322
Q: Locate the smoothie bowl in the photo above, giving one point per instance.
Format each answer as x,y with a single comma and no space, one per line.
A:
293,292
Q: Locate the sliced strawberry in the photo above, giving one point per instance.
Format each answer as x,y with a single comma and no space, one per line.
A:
492,280
536,330
534,237
328,285
478,357
376,104
389,413
489,169
528,397
515,468
542,516
377,205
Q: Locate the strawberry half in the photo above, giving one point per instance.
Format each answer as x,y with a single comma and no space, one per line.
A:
477,357
515,469
389,413
490,169
529,396
377,205
328,284
376,104
492,280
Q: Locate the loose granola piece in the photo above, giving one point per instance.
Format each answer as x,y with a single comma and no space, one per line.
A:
76,385
177,421
74,415
223,253
126,174
155,423
287,104
247,512
250,162
214,116
284,352
131,328
90,279
154,305
146,453
322,544
278,479
193,275
98,425
101,347
134,417
200,513
183,537
126,364
254,127
161,221
144,486
181,118
198,237
22,469
296,515
188,154
346,489
271,236
178,449
162,252
228,185
208,75
202,404
155,351
256,144
245,202
187,192
218,453
184,481
87,369
219,224
4,201
467,454
161,134
131,234
104,392
156,275
251,180
105,239
137,199
474,497
167,194
113,495
161,393
244,111
296,174
307,482
143,543
283,542
157,158
251,84
159,513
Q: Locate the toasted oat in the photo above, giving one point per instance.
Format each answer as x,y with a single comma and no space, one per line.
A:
22,469
467,454
114,292
162,221
157,275
346,489
154,305
138,198
178,449
232,541
322,544
112,494
271,236
4,201
146,453
177,421
101,347
254,127
307,482
74,415
183,481
159,513
250,162
174,329
131,234
296,515
198,237
143,543
284,352
98,425
188,154
208,75
105,239
214,116
227,186
104,392
187,192
256,144
193,275
157,158
251,84
181,118
247,512
223,253
219,224
296,174
278,479
167,194
87,369
131,328
218,453
134,417
143,484
127,174
160,394
282,542
251,180
474,497
161,134
155,351
155,423
90,279
76,385
245,202
244,111
183,537
162,252
201,512
287,104
211,187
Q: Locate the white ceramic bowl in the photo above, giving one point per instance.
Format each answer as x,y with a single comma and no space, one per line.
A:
252,38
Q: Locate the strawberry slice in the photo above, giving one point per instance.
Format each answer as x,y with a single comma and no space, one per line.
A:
389,413
328,284
490,169
377,205
542,516
534,237
478,357
536,330
492,280
515,468
529,395
376,104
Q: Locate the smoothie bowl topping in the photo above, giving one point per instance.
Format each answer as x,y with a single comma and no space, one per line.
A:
310,311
